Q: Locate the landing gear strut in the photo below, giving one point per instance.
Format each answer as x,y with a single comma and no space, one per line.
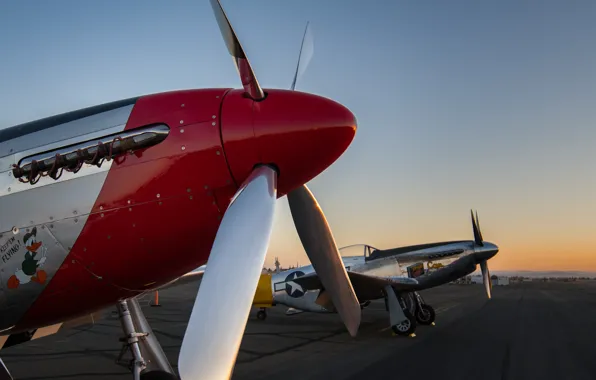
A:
149,361
400,317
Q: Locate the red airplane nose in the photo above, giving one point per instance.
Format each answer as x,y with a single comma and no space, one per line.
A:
301,134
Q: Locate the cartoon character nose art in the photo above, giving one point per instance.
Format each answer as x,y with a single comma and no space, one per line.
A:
35,257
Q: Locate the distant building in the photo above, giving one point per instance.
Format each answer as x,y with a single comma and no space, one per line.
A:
496,280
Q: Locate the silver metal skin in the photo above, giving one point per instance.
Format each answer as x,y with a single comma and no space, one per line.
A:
62,133
289,293
131,140
231,277
319,244
59,222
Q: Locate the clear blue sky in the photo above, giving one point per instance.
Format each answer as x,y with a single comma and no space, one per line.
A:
460,104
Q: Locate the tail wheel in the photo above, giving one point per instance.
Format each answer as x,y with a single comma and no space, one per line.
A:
425,314
262,315
407,327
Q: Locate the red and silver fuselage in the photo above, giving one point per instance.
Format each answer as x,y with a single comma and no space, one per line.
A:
72,242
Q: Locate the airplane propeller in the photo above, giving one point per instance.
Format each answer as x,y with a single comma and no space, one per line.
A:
213,334
486,280
315,233
303,60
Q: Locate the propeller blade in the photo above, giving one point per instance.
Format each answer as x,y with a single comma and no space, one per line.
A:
305,55
247,76
477,235
218,318
319,244
478,225
486,278
490,280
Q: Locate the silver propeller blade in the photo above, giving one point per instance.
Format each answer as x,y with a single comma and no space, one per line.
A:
319,244
478,225
247,76
218,318
477,233
305,55
486,278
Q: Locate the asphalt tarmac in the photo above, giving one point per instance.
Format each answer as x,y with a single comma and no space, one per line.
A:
527,331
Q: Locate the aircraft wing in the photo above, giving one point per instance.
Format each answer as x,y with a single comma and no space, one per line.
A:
365,286
370,287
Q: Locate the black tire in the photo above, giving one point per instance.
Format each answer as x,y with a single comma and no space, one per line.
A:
261,315
425,315
405,328
158,375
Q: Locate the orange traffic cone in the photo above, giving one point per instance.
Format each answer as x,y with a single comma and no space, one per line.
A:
156,299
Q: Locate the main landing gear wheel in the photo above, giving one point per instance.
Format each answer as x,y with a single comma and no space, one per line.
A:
262,315
425,314
407,327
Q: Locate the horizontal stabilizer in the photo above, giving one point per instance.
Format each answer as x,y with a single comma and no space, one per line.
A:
292,311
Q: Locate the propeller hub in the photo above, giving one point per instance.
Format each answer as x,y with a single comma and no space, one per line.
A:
300,134
486,251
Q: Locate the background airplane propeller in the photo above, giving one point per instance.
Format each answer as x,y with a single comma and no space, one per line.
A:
214,333
483,264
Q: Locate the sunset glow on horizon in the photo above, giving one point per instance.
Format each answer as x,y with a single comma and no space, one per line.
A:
460,105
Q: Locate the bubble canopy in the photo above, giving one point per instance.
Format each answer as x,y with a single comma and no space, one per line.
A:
357,250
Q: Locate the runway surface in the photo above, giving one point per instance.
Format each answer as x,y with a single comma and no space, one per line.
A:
527,331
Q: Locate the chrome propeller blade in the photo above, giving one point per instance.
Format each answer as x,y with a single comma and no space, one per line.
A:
479,241
486,278
305,55
477,233
218,319
319,244
247,76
